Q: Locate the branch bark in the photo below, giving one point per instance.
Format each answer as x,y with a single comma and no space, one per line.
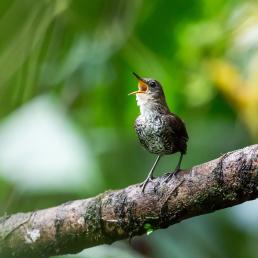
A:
114,215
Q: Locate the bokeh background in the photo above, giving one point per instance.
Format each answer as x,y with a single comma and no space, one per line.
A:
66,121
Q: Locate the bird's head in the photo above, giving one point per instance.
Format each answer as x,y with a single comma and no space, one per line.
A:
149,92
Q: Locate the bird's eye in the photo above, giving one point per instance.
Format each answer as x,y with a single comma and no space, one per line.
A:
153,84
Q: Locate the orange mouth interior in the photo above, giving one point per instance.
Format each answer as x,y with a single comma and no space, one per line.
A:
142,86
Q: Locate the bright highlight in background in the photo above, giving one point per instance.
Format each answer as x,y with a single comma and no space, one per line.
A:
41,150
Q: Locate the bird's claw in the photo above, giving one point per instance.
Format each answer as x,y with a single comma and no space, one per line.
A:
171,174
145,182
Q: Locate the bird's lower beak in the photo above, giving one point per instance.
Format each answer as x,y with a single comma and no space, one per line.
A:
142,85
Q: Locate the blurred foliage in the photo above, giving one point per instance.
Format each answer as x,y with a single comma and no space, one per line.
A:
66,119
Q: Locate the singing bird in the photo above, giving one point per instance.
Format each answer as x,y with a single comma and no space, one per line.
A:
160,131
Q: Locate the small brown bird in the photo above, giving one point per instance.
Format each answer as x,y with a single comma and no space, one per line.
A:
159,131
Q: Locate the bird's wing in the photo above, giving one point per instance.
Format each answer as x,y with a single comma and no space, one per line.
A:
177,126
178,132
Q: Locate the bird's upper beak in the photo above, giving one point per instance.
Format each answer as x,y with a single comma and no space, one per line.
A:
142,85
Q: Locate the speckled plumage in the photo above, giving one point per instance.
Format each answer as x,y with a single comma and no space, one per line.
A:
161,133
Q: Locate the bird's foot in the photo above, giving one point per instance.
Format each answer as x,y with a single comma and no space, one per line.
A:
145,182
171,174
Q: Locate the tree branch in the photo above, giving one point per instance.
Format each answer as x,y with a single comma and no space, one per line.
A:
114,215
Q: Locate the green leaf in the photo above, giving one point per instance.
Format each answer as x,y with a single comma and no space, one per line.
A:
149,228
149,231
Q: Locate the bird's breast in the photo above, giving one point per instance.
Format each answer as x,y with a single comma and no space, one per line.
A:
153,133
151,125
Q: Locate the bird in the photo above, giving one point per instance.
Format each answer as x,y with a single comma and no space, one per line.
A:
160,131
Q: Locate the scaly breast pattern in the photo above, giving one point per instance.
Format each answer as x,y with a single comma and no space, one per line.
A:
155,134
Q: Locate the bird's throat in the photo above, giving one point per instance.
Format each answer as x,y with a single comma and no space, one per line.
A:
149,107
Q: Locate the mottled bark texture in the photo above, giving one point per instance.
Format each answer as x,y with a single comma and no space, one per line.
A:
114,215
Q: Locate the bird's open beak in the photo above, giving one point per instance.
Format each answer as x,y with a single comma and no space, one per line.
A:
142,85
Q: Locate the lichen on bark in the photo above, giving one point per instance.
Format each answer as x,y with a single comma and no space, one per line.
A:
114,215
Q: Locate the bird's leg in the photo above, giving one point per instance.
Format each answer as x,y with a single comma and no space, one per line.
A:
177,169
150,175
179,164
